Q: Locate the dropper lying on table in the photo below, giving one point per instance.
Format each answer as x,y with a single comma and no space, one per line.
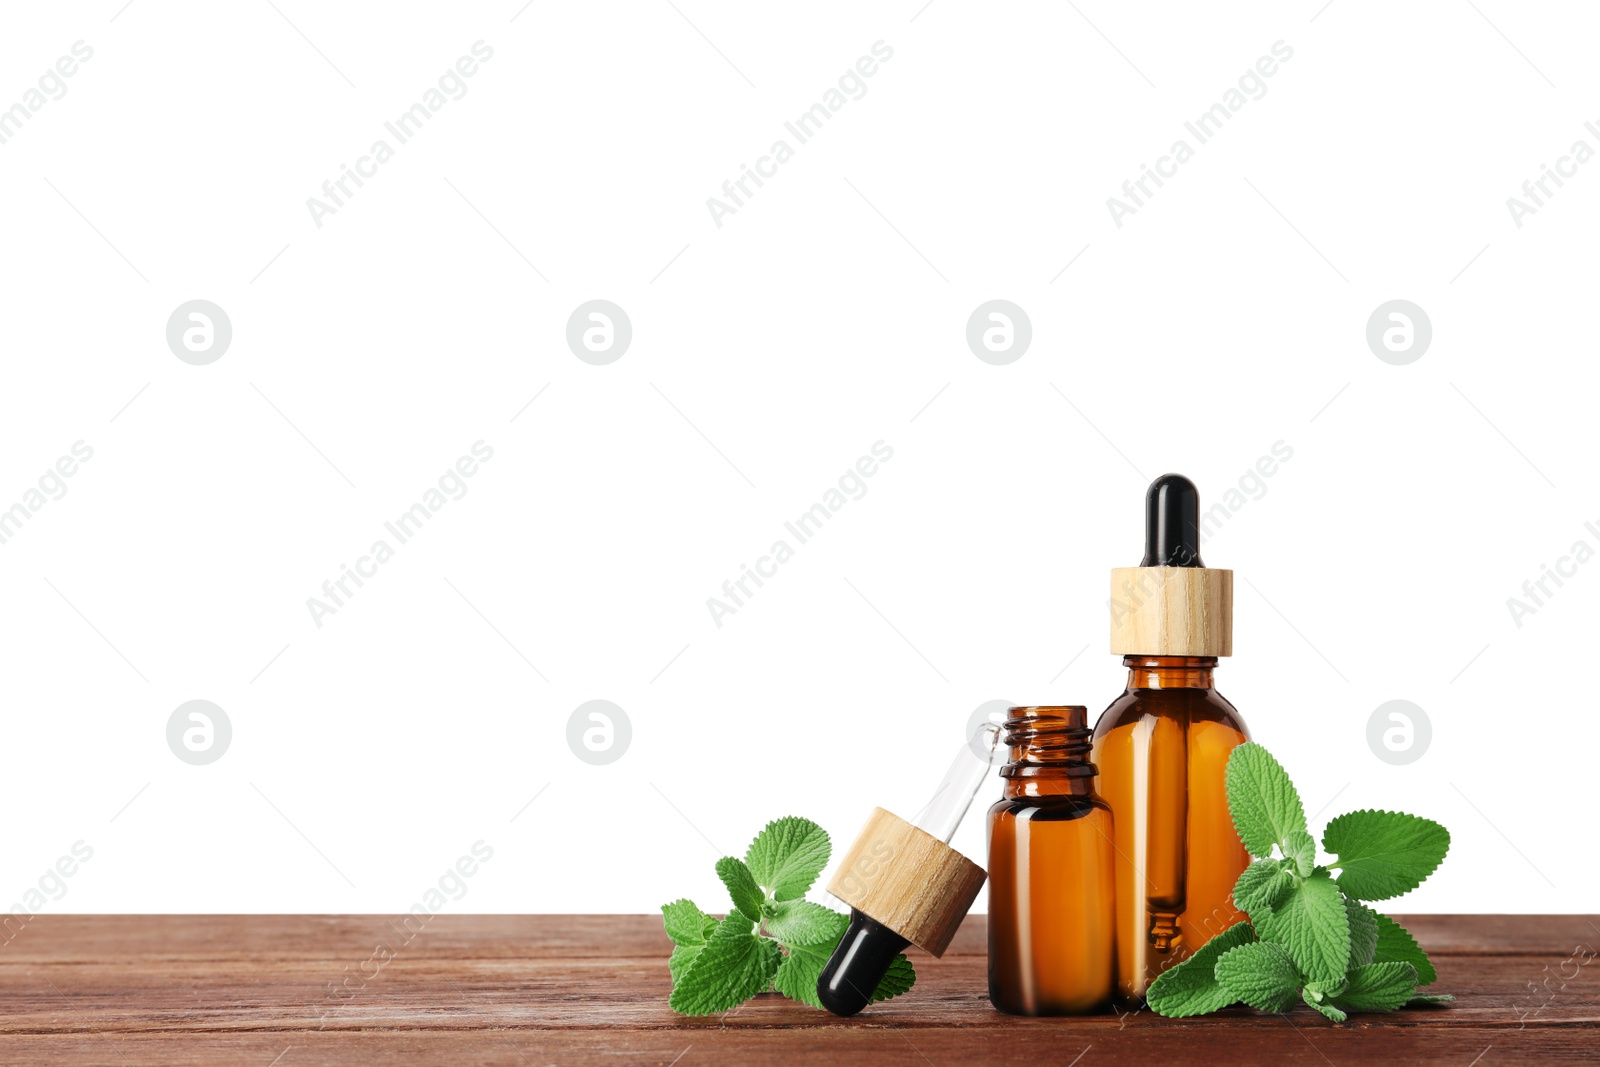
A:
904,883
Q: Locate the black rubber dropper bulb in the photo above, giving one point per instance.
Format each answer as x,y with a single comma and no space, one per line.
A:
1172,523
859,963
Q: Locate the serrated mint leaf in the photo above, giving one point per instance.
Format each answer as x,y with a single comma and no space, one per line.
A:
733,966
683,956
1262,799
1363,932
899,978
1191,987
1300,848
800,922
735,920
798,973
1260,886
1431,998
747,895
1395,945
1310,924
1316,1000
1260,974
686,924
787,855
1383,854
1377,987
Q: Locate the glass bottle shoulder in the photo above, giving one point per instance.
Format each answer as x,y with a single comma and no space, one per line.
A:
1189,705
1050,807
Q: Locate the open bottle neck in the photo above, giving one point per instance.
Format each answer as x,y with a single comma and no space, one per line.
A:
1049,752
1170,672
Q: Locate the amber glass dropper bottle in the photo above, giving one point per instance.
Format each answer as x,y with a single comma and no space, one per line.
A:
1162,747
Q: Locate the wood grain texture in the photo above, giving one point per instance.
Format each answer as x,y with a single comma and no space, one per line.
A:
908,880
1171,611
293,991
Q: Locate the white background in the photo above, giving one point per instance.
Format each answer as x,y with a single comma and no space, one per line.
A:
768,354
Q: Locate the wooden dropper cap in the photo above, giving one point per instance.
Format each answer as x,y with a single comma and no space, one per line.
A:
1171,604
907,880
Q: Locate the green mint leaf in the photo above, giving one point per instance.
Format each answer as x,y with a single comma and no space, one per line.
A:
1383,854
1395,945
733,966
1377,987
1311,925
682,958
1363,932
1191,987
747,895
1317,1001
899,978
787,855
1262,799
800,922
686,924
1301,848
798,973
1430,998
734,920
1261,886
689,928
1260,974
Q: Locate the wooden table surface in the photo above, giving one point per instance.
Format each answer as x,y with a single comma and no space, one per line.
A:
526,991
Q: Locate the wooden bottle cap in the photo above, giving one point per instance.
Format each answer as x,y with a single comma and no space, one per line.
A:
1171,611
908,880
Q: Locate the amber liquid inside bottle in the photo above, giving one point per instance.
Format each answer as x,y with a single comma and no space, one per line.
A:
1162,748
1051,879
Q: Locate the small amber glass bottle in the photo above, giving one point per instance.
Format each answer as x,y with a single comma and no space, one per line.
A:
1051,873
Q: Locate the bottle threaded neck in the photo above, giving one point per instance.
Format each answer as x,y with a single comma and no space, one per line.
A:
1048,741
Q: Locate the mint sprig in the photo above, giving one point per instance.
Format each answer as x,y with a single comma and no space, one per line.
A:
1309,936
772,938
